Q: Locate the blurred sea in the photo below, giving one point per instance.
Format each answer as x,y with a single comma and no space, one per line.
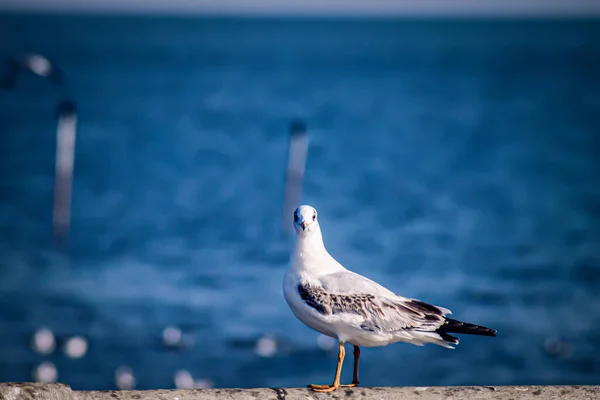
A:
455,162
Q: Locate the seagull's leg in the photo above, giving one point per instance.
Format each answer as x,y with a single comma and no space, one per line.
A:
338,371
355,376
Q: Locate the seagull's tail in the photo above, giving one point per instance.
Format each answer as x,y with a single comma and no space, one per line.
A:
455,326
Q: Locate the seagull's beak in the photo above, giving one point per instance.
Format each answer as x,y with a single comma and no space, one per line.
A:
304,225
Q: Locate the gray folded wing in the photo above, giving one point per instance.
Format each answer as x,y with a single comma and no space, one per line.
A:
377,308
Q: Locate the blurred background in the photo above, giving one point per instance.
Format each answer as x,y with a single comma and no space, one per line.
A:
454,157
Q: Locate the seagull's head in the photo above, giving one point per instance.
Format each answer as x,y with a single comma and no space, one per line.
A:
305,220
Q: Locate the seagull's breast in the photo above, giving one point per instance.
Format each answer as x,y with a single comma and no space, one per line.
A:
305,313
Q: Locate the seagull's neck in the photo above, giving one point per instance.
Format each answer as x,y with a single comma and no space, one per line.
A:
310,255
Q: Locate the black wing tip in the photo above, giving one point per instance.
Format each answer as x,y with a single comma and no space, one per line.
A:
448,338
455,326
485,332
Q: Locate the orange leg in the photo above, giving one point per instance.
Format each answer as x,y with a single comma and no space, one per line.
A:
336,381
355,376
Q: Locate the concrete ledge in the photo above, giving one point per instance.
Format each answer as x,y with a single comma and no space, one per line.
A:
57,391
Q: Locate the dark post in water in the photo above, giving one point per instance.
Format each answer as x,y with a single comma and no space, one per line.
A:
295,171
65,157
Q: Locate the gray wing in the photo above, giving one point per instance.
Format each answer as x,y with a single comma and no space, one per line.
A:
378,308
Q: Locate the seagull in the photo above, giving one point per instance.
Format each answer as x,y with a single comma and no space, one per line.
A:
33,63
348,307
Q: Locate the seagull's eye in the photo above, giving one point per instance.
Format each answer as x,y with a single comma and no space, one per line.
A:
295,217
314,216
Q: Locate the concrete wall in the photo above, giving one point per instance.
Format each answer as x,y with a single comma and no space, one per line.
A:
56,391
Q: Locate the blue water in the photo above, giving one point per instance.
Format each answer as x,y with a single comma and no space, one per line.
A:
455,162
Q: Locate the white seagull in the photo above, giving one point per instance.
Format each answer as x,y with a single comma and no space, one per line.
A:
353,309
